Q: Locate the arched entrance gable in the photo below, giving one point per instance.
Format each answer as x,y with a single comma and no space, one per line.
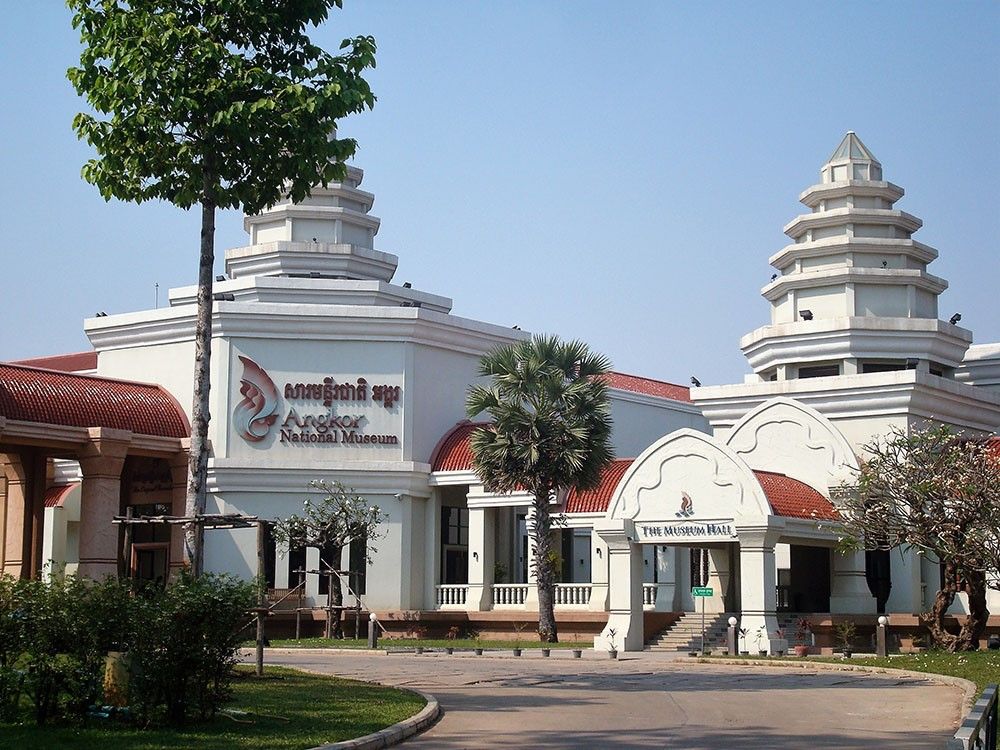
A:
688,476
789,437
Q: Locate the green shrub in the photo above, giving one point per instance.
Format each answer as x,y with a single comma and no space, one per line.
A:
182,656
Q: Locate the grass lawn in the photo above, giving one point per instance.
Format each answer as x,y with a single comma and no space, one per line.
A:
465,644
286,709
980,667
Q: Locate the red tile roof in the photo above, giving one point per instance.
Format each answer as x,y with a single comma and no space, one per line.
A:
77,362
794,499
597,500
34,395
453,452
648,386
56,496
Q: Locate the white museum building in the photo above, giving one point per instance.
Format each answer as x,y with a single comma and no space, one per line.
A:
323,368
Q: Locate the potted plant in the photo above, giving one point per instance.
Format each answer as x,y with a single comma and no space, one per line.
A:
761,632
577,653
478,647
518,629
546,651
613,651
451,635
803,632
778,644
846,631
743,638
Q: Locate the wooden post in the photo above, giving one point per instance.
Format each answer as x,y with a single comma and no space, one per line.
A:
127,554
298,604
261,597
357,606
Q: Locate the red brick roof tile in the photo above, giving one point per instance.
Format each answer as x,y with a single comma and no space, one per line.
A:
597,500
453,452
76,362
648,386
56,496
794,499
34,395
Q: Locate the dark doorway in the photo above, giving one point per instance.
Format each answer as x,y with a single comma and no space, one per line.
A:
878,573
809,579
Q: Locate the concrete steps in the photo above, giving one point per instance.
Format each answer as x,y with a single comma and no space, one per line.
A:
685,634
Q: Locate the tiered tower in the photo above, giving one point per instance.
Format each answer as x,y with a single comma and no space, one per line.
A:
852,294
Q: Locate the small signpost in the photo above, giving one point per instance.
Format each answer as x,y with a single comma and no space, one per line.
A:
702,592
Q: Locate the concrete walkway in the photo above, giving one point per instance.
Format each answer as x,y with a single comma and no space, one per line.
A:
652,701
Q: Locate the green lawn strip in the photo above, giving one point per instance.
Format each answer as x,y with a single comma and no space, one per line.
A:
463,644
289,710
980,667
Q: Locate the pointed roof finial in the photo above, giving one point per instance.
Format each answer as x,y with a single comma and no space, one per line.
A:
851,148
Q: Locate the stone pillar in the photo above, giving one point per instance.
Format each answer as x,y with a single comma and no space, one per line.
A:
101,462
178,501
625,587
482,555
598,573
758,579
849,594
905,595
667,571
432,547
17,519
719,578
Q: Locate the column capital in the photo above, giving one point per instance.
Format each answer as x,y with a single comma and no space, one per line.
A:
104,454
617,533
760,535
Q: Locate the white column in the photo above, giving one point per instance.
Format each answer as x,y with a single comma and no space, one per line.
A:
758,578
719,574
904,596
481,558
598,573
625,588
667,572
432,547
849,594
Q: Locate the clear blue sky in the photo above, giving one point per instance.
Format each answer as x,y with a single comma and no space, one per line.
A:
616,172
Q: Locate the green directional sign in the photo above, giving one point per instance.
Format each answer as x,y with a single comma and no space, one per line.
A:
701,591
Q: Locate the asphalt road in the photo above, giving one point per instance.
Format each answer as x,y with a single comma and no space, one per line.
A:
652,701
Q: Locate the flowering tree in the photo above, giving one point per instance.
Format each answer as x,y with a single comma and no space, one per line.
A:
333,523
938,493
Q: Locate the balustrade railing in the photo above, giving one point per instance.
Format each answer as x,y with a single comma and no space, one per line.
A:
509,594
570,594
452,594
649,594
979,728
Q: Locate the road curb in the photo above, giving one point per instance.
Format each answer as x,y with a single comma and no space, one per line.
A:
396,733
969,688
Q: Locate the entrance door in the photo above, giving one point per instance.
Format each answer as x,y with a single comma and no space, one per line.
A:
149,562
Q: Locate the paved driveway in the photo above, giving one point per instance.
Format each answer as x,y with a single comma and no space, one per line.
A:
652,701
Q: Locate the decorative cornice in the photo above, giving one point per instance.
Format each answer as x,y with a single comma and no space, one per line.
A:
902,393
853,245
853,275
843,216
376,477
812,195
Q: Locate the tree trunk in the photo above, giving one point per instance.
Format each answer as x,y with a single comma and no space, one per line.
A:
194,534
974,585
544,563
337,595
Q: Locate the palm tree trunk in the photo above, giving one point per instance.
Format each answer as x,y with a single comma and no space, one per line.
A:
544,563
194,534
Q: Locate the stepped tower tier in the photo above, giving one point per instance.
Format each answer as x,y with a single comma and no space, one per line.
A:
853,294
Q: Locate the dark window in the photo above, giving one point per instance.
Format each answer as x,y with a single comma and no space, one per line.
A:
327,560
699,566
270,555
145,533
868,367
358,563
296,563
455,526
456,566
819,371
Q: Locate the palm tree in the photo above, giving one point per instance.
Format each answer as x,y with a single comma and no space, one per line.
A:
550,431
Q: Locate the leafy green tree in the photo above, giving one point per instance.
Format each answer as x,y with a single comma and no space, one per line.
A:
216,104
331,524
550,431
935,492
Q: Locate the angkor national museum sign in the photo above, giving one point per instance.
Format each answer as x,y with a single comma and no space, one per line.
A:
324,413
